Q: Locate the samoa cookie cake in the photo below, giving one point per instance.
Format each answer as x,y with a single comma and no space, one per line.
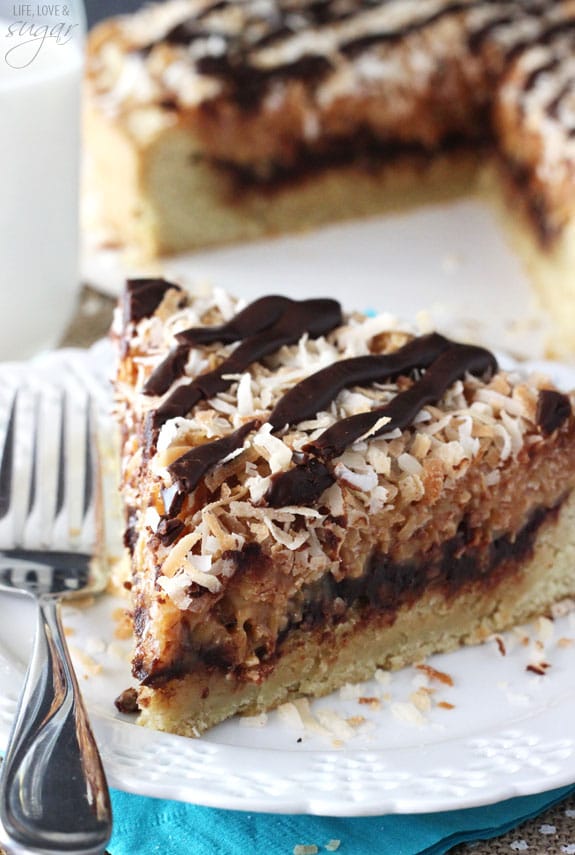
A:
310,496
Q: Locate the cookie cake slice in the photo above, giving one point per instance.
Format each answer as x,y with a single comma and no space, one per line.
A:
312,495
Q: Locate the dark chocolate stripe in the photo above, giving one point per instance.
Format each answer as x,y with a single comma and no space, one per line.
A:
450,366
143,296
477,38
312,395
285,21
546,37
519,11
553,409
362,149
189,469
315,317
218,6
302,485
555,105
249,83
353,47
172,367
188,32
533,77
561,28
256,317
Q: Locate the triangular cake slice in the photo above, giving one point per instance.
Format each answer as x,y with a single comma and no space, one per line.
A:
311,496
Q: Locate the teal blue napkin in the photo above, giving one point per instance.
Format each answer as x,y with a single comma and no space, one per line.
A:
144,826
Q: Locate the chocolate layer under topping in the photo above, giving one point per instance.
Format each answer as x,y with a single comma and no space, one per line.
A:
384,587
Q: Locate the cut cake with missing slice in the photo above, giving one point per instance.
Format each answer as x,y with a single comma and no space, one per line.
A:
310,496
217,121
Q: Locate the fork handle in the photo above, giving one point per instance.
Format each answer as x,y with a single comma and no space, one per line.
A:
53,792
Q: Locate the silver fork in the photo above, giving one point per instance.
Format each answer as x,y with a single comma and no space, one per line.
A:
53,792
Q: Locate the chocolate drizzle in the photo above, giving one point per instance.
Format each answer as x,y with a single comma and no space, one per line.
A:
143,296
537,73
547,37
553,409
477,39
316,392
451,365
169,529
172,367
554,106
301,485
263,327
247,81
316,317
258,316
353,47
189,469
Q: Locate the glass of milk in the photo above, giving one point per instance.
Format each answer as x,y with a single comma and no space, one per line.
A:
41,63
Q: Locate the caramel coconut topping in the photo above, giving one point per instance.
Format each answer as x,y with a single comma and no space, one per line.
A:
272,92
429,366
311,317
248,48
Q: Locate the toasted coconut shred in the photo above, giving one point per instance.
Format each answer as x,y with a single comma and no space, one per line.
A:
387,474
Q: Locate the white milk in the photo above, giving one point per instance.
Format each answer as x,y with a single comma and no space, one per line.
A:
39,157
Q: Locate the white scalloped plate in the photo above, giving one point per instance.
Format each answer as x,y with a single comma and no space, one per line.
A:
497,732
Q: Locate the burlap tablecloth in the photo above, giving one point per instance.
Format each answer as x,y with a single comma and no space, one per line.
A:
553,832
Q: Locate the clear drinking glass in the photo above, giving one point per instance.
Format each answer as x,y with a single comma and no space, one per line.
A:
41,63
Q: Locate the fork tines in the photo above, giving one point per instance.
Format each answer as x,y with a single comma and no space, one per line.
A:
46,468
